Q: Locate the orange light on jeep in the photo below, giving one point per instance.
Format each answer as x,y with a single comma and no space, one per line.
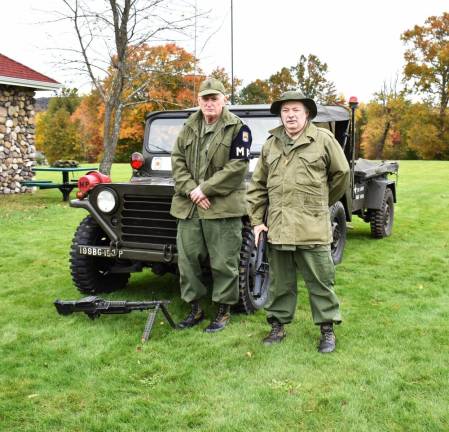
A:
90,180
137,160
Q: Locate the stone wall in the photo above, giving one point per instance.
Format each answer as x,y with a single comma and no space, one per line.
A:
17,150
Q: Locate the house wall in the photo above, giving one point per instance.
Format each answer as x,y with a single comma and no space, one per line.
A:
17,132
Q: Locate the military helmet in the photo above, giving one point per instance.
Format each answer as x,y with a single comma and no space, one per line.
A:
294,96
211,86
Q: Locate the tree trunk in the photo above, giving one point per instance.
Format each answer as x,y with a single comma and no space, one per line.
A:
381,144
112,120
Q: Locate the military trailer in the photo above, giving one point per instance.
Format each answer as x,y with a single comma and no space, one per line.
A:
129,226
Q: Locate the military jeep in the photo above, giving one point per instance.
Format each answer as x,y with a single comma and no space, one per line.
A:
129,226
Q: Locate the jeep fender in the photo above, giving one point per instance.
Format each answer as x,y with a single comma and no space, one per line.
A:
376,190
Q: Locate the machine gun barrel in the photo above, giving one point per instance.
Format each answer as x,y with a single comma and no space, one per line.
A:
94,306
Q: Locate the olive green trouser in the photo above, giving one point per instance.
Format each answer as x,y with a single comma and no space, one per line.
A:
219,240
318,271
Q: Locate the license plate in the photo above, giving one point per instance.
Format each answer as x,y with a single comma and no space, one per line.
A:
99,251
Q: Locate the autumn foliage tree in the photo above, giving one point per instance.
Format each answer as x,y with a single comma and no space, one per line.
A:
308,75
427,69
166,81
385,134
88,118
108,35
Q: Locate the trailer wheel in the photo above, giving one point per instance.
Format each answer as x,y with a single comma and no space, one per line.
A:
92,275
381,221
338,222
248,302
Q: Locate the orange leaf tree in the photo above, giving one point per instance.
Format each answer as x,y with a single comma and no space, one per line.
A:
106,33
427,68
385,133
163,79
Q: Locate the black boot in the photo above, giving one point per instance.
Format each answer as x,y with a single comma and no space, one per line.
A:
195,316
221,320
327,339
276,334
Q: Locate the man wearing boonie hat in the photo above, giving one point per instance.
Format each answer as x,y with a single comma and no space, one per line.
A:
302,170
209,163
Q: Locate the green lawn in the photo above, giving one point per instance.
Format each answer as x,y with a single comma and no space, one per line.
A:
389,373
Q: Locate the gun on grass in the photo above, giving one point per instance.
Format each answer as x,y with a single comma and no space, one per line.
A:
261,264
94,306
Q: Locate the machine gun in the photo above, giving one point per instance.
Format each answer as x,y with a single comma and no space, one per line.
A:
261,264
94,306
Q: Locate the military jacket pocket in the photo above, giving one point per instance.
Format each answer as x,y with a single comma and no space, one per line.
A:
188,151
221,155
274,175
311,178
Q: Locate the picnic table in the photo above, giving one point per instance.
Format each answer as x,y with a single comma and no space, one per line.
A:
66,186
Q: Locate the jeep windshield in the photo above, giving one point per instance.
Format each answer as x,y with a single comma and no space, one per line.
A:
162,132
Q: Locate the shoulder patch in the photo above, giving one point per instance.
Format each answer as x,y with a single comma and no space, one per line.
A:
241,144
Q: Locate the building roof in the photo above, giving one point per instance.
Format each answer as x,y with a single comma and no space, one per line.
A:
17,74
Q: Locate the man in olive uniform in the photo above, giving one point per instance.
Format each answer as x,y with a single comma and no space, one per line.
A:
209,162
302,170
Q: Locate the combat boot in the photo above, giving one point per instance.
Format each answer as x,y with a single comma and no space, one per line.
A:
276,334
195,316
327,339
221,320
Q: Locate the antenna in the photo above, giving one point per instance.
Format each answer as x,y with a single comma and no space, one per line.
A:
194,53
232,54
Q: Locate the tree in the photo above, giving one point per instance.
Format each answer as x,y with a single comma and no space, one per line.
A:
118,29
220,74
423,134
88,117
257,92
384,135
56,133
427,68
67,99
281,82
171,85
166,69
310,73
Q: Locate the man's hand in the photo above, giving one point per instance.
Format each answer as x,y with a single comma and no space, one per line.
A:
198,197
257,230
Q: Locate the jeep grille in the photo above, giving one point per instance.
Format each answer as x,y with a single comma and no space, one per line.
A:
147,220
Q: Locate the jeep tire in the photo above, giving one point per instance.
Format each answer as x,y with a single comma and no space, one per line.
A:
381,220
248,302
90,274
339,231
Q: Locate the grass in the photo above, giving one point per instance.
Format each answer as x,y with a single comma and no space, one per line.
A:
389,372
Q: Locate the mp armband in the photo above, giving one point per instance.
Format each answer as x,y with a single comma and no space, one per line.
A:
241,144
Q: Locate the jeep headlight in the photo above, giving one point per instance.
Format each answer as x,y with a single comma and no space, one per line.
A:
107,201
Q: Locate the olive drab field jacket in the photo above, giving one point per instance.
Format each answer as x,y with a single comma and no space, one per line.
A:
298,186
223,181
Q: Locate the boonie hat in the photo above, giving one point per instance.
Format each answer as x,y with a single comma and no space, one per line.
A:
211,86
294,96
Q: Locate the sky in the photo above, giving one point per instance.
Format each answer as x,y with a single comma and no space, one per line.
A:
358,39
